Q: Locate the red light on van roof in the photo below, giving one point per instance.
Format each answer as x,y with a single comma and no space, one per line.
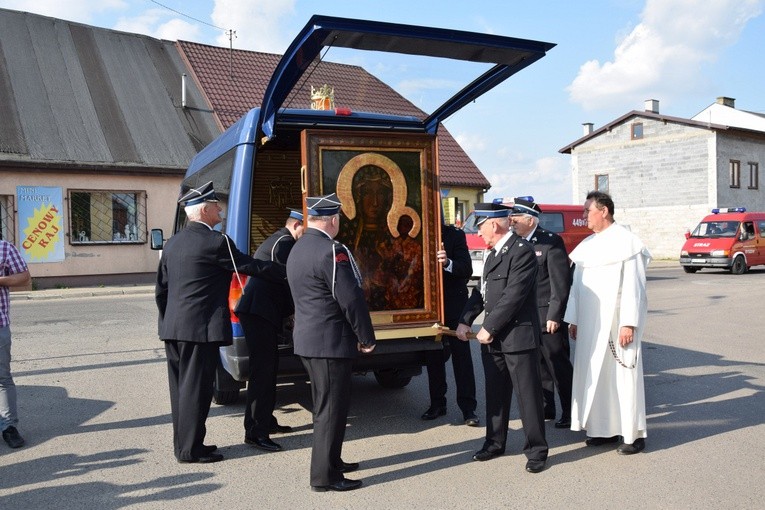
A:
728,210
343,111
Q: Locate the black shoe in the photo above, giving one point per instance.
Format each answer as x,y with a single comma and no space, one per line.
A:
549,415
208,448
203,459
13,438
535,466
263,443
471,420
483,454
598,441
629,449
280,429
347,467
563,423
433,412
343,485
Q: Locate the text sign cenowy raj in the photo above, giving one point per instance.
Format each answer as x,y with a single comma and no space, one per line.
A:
41,224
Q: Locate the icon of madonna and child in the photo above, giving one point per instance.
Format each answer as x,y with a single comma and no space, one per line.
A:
382,231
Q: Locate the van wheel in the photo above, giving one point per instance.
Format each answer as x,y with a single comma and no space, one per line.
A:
739,265
392,379
690,269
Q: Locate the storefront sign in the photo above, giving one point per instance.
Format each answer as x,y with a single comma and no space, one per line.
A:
41,223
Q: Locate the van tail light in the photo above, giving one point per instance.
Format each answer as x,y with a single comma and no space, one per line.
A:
235,292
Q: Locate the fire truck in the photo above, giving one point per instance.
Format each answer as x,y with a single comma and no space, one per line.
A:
729,238
565,220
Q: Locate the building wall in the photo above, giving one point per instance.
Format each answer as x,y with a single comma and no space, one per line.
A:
660,183
746,151
99,263
467,197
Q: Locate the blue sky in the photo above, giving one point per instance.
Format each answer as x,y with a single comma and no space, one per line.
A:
610,56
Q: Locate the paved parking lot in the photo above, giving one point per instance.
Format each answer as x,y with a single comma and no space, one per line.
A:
94,408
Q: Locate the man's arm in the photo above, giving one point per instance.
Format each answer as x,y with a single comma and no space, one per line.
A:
16,279
521,280
560,279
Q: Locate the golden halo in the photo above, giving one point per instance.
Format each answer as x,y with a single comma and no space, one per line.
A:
398,207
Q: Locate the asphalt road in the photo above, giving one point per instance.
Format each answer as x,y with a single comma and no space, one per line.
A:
95,412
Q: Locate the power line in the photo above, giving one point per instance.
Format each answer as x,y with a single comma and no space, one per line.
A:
187,16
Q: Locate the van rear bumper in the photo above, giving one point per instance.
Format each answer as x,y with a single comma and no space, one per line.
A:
397,354
706,261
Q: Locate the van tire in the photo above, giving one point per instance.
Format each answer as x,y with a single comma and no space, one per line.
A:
391,379
690,269
739,265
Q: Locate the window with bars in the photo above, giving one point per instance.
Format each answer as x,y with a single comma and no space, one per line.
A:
113,217
7,218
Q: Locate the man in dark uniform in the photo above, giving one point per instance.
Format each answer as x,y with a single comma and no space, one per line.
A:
193,280
332,325
509,336
262,310
457,267
553,285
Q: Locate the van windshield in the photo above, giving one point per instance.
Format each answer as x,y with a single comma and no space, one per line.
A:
469,225
716,229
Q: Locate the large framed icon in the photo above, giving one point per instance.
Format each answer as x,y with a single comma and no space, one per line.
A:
390,218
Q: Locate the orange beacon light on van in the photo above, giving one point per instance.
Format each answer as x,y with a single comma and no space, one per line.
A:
729,238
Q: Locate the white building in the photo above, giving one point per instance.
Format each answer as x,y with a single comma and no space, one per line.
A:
665,173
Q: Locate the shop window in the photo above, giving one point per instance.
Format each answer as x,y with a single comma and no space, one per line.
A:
7,219
113,217
735,173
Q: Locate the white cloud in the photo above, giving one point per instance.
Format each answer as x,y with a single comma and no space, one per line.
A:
256,23
547,179
82,11
471,142
663,52
154,23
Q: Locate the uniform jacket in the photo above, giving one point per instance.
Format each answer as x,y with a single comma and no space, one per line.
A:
269,299
553,277
455,282
510,302
193,281
331,314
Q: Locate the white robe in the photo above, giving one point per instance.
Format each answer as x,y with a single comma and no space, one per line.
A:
608,399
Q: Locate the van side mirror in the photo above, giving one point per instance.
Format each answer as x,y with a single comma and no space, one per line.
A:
687,234
157,239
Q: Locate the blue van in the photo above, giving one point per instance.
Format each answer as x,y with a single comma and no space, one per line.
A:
299,152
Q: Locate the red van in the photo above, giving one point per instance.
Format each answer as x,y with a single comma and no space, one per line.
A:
728,238
565,220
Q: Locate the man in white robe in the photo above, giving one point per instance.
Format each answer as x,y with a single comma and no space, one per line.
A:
606,313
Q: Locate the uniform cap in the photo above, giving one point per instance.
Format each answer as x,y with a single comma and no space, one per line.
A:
523,206
484,211
204,193
296,213
326,205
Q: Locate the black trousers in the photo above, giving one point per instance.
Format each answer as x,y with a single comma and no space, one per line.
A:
505,372
331,395
191,374
556,370
464,377
262,343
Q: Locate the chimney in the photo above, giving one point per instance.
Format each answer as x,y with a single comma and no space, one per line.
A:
587,128
652,105
726,101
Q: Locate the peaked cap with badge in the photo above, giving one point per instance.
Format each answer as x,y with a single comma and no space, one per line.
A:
194,196
485,210
326,205
524,206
